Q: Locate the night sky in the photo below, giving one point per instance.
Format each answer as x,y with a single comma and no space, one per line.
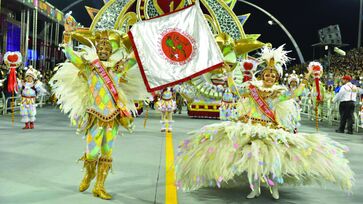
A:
302,18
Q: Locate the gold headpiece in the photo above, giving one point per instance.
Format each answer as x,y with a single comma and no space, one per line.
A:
274,58
102,37
271,62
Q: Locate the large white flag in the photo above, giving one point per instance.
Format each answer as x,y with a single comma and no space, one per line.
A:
174,48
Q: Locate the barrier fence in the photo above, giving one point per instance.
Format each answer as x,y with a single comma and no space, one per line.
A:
329,112
5,103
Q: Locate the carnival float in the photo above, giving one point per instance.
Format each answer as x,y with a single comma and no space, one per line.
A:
204,93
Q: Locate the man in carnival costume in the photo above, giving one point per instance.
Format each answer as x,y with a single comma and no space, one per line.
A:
260,147
29,89
97,87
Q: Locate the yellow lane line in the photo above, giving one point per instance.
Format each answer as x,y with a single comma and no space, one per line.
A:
170,187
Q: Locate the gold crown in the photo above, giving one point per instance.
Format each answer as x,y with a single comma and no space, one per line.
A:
271,66
102,37
113,37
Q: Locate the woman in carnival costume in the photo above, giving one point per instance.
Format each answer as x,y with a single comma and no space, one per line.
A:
328,103
97,87
166,105
293,82
29,90
260,147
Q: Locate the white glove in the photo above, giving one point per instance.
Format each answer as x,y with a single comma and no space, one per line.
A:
89,54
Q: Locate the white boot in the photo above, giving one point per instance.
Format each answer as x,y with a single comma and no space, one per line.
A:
162,126
170,125
275,192
256,190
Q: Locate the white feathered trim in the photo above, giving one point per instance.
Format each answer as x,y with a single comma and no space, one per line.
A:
134,88
259,85
71,91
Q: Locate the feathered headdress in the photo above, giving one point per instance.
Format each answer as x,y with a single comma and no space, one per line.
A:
32,72
274,58
293,77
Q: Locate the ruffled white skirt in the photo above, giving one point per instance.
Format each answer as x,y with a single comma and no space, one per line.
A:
235,152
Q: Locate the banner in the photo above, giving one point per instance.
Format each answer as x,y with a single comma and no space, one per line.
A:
174,48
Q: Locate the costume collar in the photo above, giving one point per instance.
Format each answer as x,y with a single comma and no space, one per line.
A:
259,85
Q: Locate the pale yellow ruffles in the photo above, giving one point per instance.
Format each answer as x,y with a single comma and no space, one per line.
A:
230,152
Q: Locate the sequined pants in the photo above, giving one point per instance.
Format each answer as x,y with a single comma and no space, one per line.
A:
100,138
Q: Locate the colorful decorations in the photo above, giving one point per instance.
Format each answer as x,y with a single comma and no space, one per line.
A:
46,8
92,12
248,68
207,90
317,70
12,61
70,23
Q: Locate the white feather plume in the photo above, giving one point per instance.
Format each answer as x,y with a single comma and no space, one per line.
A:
71,91
278,54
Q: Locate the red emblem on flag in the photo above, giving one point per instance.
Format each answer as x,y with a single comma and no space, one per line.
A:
177,47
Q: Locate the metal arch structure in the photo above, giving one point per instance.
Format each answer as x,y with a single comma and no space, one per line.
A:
71,5
301,57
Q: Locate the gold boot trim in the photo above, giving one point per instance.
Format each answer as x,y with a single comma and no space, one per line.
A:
90,174
104,165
